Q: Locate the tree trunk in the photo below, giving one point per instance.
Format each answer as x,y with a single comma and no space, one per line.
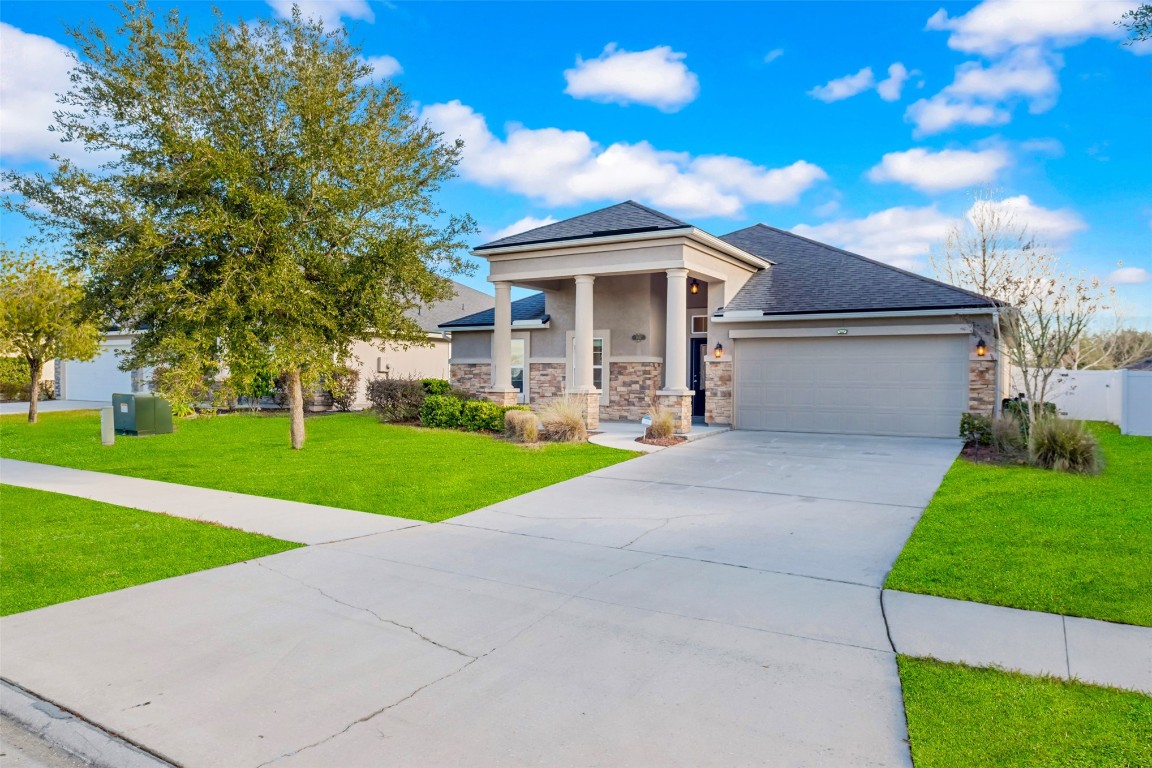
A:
35,367
296,409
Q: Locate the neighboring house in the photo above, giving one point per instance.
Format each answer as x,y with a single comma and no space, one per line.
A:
379,359
99,378
761,328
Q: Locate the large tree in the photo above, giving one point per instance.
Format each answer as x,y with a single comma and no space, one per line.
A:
42,317
1138,22
1046,308
270,202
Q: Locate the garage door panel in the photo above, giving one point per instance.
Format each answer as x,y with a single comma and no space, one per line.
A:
911,385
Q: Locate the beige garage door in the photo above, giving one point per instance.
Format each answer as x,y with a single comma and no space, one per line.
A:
879,385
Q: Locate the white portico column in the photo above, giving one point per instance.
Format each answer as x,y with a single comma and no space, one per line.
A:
676,396
584,390
502,391
676,333
582,355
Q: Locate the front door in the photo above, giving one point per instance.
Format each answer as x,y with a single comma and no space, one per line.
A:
699,349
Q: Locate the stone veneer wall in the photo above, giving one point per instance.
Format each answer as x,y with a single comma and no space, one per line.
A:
981,386
474,378
630,390
545,382
718,392
681,406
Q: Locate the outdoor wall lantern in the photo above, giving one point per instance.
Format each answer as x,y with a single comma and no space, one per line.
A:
694,286
718,351
981,348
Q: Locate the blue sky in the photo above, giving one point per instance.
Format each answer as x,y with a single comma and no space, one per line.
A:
866,125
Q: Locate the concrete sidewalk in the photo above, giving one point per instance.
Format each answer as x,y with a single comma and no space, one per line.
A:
1098,652
54,406
286,520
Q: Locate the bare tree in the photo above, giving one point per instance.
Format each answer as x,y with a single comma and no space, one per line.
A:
1046,308
1115,347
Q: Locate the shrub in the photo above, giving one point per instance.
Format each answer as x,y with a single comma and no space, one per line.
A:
1063,445
1019,408
1007,434
521,426
436,386
563,421
663,423
14,384
441,411
975,429
396,399
482,416
340,384
183,389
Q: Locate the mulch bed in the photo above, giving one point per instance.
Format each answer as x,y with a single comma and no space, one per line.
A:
987,455
664,442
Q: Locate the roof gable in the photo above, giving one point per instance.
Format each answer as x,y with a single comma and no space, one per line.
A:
623,218
810,277
465,301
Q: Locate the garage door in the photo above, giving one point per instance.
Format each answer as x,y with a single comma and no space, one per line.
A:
879,385
96,379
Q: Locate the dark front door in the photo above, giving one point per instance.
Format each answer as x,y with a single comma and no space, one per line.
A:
699,356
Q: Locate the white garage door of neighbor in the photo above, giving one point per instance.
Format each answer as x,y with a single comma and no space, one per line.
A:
96,379
879,385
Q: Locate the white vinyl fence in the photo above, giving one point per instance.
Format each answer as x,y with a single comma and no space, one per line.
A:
1122,397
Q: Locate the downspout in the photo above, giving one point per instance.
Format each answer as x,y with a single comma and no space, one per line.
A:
999,355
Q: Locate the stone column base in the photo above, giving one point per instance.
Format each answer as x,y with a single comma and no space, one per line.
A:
681,407
718,392
589,403
503,397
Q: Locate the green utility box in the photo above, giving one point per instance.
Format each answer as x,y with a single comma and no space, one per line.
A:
141,415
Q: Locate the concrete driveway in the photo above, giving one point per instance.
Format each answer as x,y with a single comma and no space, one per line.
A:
713,604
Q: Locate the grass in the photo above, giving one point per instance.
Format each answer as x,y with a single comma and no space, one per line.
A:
58,548
350,460
961,717
1041,540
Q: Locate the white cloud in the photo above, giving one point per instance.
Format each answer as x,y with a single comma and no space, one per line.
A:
1047,224
898,236
844,87
942,112
1049,146
383,67
891,88
948,169
996,26
328,11
657,77
33,69
1130,276
772,55
1025,72
522,225
903,236
562,167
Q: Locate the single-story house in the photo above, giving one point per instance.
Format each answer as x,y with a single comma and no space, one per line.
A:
378,358
99,378
759,328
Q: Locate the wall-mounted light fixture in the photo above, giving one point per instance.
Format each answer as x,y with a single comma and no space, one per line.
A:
694,286
718,351
638,337
981,348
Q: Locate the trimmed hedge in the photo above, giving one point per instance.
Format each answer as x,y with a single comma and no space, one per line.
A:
436,386
450,412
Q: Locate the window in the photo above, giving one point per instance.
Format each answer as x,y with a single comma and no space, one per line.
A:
518,364
597,362
699,323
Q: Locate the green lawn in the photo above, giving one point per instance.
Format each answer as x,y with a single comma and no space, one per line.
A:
55,548
350,460
1041,540
961,717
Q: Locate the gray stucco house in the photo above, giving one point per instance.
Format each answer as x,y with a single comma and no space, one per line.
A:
759,328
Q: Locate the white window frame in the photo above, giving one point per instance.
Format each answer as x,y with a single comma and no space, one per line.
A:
692,327
525,396
605,338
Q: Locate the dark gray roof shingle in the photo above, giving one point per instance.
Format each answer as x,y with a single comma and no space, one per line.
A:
527,308
466,301
811,277
624,217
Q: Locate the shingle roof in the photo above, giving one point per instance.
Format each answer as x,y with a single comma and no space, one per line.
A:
622,218
811,277
466,301
527,308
